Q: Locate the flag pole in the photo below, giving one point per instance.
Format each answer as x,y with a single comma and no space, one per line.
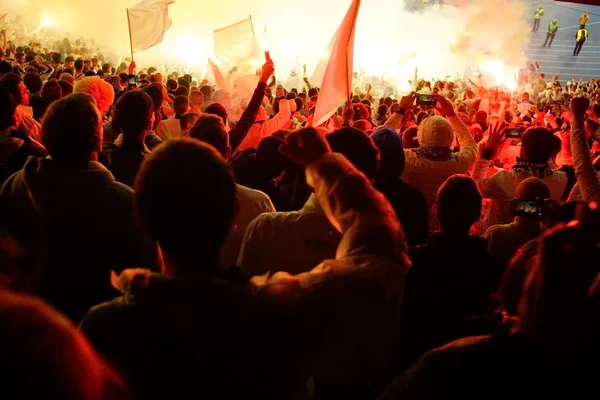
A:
2,17
130,39
252,24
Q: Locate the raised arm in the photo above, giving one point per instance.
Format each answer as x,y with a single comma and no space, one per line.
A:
582,159
239,132
372,238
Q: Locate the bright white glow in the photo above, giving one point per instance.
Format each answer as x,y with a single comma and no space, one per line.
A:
502,75
47,21
185,48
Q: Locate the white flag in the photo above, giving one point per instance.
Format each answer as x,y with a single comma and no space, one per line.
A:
235,43
334,71
148,22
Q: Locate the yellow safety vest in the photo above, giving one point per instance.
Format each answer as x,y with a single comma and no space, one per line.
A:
538,13
580,33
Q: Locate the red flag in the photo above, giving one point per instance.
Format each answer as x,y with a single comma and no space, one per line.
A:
336,68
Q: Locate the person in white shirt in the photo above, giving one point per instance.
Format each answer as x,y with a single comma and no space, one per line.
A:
210,129
264,127
293,241
171,128
538,145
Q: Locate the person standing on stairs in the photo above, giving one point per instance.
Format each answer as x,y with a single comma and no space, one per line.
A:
537,17
583,20
552,28
581,37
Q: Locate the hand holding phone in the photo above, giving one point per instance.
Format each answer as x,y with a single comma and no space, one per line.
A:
426,100
514,133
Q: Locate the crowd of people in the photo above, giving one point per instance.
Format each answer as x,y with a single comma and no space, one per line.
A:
157,243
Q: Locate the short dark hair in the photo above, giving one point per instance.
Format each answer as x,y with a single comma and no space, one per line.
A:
186,172
132,113
181,104
182,90
72,130
458,204
155,92
358,148
210,129
537,145
217,109
172,84
33,82
312,92
69,59
66,87
57,58
206,91
78,64
123,77
187,118
52,90
5,67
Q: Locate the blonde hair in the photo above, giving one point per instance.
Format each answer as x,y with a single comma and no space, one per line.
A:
101,90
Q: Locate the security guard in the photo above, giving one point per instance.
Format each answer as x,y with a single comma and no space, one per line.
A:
581,37
537,17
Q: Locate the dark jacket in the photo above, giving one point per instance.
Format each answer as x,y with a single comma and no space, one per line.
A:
497,367
450,281
15,148
80,223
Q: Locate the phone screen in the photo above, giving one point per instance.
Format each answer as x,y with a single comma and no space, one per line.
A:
521,208
426,99
514,133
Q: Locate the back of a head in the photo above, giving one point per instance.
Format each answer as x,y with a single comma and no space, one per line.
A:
33,82
218,110
458,204
5,67
182,90
132,113
45,356
72,130
532,189
78,64
558,310
154,90
206,92
435,131
410,137
197,178
537,145
101,90
65,87
210,129
52,90
270,162
358,148
181,105
392,162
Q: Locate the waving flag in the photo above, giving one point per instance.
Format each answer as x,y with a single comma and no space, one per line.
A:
334,71
148,22
235,43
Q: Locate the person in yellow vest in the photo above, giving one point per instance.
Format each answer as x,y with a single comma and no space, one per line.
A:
583,20
581,37
552,29
537,18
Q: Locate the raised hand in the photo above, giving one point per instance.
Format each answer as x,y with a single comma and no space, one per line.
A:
496,136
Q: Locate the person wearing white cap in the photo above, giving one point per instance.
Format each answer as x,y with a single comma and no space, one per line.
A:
428,166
